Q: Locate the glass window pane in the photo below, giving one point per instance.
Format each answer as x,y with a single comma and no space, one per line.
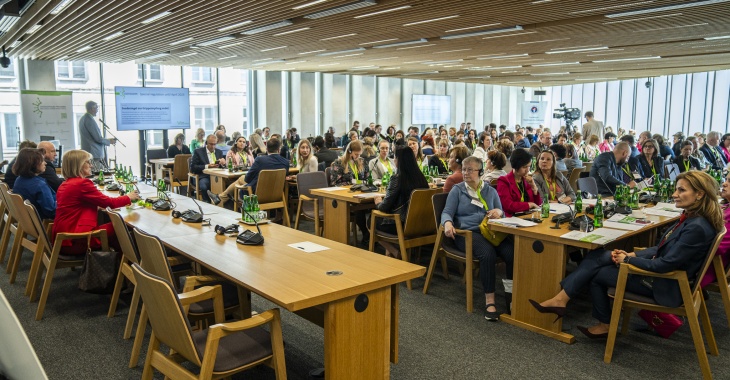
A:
155,72
233,100
719,119
62,69
79,69
8,72
599,103
658,105
641,119
626,107
11,130
610,118
676,106
697,99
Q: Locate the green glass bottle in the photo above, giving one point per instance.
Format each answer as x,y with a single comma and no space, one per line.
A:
370,179
578,202
101,178
598,213
545,210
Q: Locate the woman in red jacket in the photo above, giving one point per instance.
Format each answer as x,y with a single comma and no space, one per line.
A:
517,190
78,201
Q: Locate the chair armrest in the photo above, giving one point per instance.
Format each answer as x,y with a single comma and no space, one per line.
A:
200,294
306,198
177,260
232,327
245,187
674,275
380,214
636,249
463,233
192,281
101,234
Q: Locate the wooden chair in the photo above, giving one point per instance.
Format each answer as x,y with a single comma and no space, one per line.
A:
419,229
721,284
588,184
178,176
693,306
270,192
49,256
586,169
196,189
155,261
10,225
573,179
153,154
312,208
328,173
25,236
248,344
4,216
445,247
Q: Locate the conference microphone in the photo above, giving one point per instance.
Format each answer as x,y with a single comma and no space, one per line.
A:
190,216
249,237
103,123
163,203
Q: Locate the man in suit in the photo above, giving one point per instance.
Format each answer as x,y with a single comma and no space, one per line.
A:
49,155
543,143
607,171
90,136
206,157
712,152
322,153
592,127
272,161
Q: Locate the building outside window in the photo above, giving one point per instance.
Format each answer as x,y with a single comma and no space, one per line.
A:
71,70
10,130
202,74
204,118
153,73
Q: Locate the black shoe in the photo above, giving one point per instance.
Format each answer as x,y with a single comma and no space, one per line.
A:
508,302
591,335
491,316
558,311
214,198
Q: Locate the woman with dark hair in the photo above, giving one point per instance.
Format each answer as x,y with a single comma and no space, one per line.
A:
664,150
222,127
683,247
28,164
483,146
495,166
457,155
471,140
407,178
441,158
329,140
650,164
350,169
571,158
551,183
178,147
725,146
607,144
416,148
517,190
684,160
390,133
559,152
240,153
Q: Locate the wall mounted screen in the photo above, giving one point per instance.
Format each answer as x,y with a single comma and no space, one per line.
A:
431,109
149,108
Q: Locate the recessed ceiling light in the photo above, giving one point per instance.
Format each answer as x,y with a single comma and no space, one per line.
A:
525,81
377,42
234,26
443,62
671,27
508,35
717,38
472,27
157,17
641,19
275,48
504,56
627,59
340,52
383,59
556,64
329,64
291,31
230,45
113,36
262,59
313,51
157,56
542,41
33,28
419,41
421,73
216,41
61,6
414,47
341,9
477,77
383,11
593,10
540,1
428,60
336,37
81,50
576,50
187,55
431,20
481,33
667,8
450,51
364,67
348,55
268,27
595,79
184,40
143,52
547,74
295,62
391,68
66,57
267,63
309,4
229,57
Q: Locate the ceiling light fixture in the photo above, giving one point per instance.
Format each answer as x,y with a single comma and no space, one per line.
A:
113,36
341,9
627,59
268,27
216,41
61,6
383,11
481,33
421,73
234,26
187,55
329,64
157,56
477,77
556,64
291,31
229,57
81,50
184,40
295,62
418,41
348,55
309,4
144,52
313,51
414,47
431,20
451,51
443,62
595,79
547,74
383,59
503,56
33,29
230,45
576,50
641,19
717,38
262,59
600,9
666,8
539,42
269,62
508,35
377,42
472,27
671,27
157,17
336,37
340,52
276,48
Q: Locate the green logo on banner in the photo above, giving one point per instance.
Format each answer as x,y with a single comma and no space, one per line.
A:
120,93
37,107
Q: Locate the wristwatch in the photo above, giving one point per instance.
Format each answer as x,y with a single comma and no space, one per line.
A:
626,259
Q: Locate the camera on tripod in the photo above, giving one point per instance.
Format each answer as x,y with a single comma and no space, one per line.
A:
568,114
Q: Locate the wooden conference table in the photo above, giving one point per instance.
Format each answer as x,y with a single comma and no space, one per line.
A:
160,165
338,203
351,293
539,266
220,179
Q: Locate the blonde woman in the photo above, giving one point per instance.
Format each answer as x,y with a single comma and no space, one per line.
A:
368,152
382,164
306,160
199,140
257,145
591,148
348,170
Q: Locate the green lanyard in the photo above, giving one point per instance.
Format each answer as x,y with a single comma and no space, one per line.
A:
386,164
522,191
355,172
244,158
443,162
686,164
481,199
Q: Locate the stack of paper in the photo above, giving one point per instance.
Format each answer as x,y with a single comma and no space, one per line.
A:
663,209
514,222
600,236
559,208
623,222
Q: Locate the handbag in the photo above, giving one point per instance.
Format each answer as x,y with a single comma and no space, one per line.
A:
664,324
100,270
493,237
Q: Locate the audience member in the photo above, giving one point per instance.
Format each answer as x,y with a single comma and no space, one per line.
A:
517,190
684,160
607,171
32,187
322,151
457,155
650,164
206,157
178,147
198,141
607,144
552,184
9,175
495,163
49,174
712,151
239,153
382,164
592,126
441,158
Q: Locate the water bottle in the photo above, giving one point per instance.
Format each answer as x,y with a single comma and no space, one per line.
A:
230,164
256,207
244,208
578,202
101,178
598,213
545,211
131,174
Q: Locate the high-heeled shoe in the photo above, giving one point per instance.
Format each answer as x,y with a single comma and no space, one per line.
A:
559,311
591,335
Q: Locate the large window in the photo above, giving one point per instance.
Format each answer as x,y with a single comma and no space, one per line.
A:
8,72
10,129
71,70
202,74
152,73
204,118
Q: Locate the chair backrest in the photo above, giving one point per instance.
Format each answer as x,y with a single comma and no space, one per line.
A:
321,166
588,184
271,183
153,154
129,250
439,203
328,173
152,255
420,209
4,189
17,208
308,181
167,317
35,218
573,179
708,259
181,167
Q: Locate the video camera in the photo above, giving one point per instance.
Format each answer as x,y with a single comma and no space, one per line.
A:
568,114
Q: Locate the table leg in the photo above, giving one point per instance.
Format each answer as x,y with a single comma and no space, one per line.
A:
538,268
394,318
336,220
217,184
357,336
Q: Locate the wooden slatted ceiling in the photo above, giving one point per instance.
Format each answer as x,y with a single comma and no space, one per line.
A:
675,35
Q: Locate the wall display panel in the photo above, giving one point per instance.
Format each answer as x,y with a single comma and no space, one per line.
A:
431,109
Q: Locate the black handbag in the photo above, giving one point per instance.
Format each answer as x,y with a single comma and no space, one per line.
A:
100,270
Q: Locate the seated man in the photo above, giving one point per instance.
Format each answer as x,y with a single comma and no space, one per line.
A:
9,175
323,154
273,160
607,171
220,144
206,157
49,155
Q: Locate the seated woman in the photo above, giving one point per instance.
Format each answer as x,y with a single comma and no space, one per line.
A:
571,158
685,161
683,247
368,150
590,149
551,183
28,164
408,177
607,144
178,147
724,247
78,201
471,140
258,146
240,153
517,190
350,169
306,160
495,165
198,141
382,164
651,164
427,145
483,146
466,206
441,159
559,152
416,148
457,155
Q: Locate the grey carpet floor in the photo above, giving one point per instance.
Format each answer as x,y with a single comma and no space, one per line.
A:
438,339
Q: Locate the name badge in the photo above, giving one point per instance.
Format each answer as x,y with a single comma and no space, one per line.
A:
477,203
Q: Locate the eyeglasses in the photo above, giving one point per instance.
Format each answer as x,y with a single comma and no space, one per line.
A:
470,170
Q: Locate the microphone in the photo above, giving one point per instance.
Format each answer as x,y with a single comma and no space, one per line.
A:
191,216
103,123
626,210
163,203
249,237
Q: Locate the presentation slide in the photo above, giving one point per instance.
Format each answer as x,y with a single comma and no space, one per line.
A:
148,108
431,109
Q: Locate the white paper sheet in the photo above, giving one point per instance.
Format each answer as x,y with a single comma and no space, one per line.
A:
559,208
622,226
369,195
335,188
308,247
667,207
589,202
660,212
599,236
514,222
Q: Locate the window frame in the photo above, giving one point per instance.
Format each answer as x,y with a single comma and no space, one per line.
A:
200,69
70,67
148,73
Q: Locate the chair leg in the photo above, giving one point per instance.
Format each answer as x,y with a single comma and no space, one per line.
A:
37,276
116,292
371,246
17,239
132,314
626,321
707,326
46,287
17,257
37,258
138,338
299,213
432,265
722,284
444,267
147,372
287,221
694,326
6,239
469,277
